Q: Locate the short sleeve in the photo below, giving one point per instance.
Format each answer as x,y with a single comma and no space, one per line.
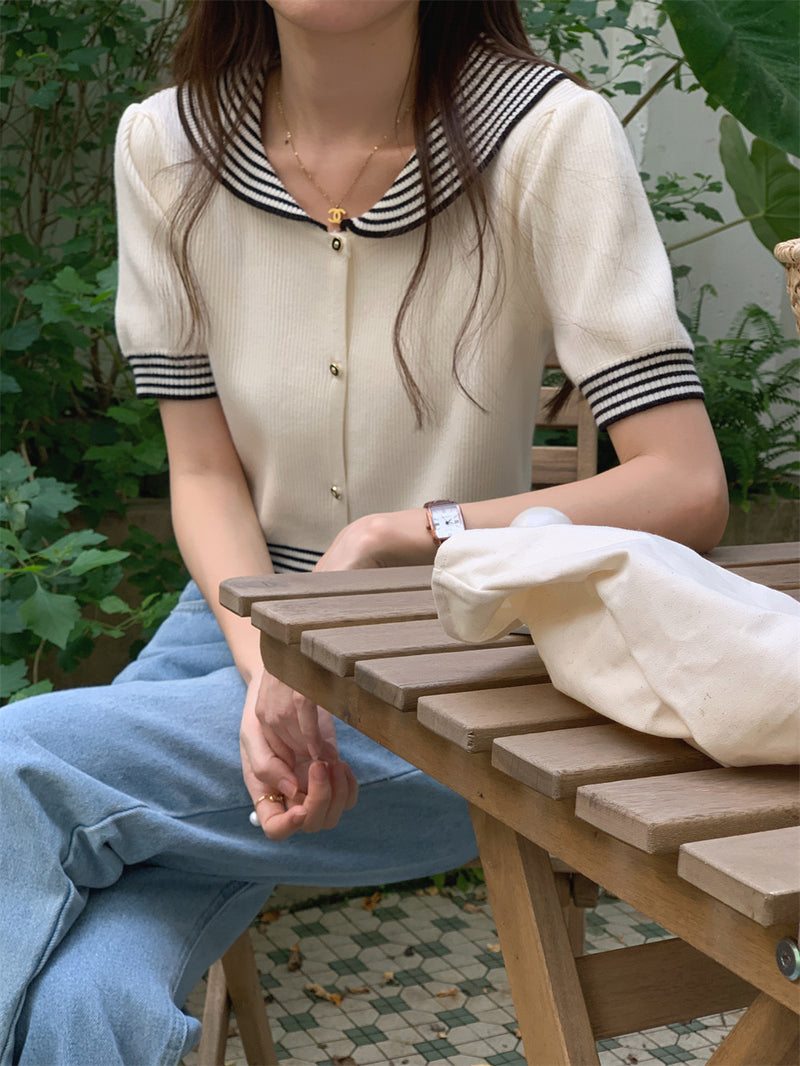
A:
150,326
601,265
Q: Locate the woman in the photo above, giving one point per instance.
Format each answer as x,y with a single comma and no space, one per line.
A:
348,239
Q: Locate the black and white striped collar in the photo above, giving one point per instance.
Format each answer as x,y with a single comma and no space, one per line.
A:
495,92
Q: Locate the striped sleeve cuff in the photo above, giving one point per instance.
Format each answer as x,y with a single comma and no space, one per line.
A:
637,384
173,377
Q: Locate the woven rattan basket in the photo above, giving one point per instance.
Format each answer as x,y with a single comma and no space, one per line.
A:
788,252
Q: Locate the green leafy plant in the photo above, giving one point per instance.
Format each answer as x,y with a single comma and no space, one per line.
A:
58,584
753,404
70,67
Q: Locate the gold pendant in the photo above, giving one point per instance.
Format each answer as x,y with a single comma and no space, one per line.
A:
335,215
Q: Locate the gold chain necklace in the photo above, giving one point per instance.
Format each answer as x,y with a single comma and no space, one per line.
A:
336,211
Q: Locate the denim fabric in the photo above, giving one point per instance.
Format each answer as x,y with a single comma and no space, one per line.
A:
129,863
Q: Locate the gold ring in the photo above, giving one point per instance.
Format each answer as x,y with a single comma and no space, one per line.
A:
273,797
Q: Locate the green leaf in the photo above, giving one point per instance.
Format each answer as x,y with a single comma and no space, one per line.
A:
46,96
13,676
20,337
10,621
114,605
744,54
764,182
50,616
7,383
53,497
32,690
71,545
10,542
94,558
69,280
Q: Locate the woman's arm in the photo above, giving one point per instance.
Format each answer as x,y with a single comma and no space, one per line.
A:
670,481
219,536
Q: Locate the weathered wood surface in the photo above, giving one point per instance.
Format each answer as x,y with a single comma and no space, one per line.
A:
401,682
756,873
339,649
658,814
289,619
474,719
558,763
239,593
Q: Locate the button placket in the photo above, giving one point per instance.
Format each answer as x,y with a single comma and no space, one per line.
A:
336,355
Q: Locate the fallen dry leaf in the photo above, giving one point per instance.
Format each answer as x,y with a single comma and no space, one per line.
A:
432,890
493,947
323,993
295,958
472,908
368,903
358,990
269,916
447,992
343,1060
388,977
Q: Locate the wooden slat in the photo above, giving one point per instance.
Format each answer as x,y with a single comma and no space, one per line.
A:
587,442
553,464
755,554
286,620
776,575
401,682
567,416
239,593
338,649
658,814
472,720
756,873
559,762
631,989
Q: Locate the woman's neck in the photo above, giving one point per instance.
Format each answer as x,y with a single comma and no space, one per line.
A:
348,87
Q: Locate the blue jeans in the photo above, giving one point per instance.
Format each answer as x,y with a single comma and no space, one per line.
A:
128,861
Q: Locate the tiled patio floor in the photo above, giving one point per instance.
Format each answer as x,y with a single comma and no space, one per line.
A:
421,980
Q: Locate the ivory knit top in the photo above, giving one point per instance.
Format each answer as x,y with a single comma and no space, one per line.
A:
299,340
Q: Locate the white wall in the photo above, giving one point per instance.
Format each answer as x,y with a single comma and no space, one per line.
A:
677,133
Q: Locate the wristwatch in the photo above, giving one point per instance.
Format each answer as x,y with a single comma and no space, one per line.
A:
443,518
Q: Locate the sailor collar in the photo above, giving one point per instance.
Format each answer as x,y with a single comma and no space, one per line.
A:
495,93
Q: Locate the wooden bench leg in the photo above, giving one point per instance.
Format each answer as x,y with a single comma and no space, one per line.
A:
550,1007
765,1035
233,982
216,1018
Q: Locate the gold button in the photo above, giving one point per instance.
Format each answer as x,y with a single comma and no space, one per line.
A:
336,244
335,369
336,492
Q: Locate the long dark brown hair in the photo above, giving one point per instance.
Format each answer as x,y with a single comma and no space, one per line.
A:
222,36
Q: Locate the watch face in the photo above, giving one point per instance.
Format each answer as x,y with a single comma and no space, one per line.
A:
446,519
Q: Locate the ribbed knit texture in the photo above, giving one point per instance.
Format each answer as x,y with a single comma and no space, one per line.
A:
584,272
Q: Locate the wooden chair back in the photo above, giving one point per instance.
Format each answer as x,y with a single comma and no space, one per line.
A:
559,464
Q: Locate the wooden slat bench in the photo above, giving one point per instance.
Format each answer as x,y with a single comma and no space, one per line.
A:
654,821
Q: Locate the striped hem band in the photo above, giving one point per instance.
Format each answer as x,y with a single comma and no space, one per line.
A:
288,559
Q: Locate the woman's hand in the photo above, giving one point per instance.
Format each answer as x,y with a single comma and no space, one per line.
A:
394,538
289,746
